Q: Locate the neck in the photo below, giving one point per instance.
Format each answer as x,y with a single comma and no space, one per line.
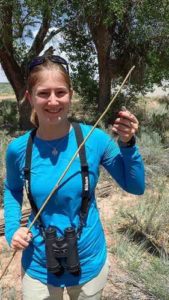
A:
53,132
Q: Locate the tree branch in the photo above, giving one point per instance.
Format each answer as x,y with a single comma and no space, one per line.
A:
6,27
52,34
12,71
37,45
22,23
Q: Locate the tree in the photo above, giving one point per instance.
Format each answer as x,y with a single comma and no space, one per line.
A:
80,49
103,38
123,34
18,19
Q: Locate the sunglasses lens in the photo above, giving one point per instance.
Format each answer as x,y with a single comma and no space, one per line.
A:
59,60
54,58
35,62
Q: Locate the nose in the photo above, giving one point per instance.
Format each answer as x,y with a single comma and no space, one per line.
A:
53,99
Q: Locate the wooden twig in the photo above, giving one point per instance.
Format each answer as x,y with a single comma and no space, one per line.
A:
71,161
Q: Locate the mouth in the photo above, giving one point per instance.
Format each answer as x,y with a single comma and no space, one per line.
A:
53,110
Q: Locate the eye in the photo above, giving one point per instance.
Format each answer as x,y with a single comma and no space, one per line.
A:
43,94
61,93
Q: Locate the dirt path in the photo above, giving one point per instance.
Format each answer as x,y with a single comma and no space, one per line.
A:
4,97
119,286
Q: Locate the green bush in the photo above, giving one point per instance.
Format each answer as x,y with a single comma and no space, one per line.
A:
150,216
153,117
6,89
149,274
8,115
155,155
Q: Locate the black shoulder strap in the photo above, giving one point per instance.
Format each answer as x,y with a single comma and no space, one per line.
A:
84,169
27,172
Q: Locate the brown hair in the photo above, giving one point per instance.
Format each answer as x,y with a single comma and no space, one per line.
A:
33,78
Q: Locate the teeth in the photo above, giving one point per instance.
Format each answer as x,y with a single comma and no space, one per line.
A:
53,110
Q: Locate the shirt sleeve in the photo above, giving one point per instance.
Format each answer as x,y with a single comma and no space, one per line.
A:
13,193
126,166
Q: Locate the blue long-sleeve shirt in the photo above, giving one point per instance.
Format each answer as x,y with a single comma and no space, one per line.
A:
125,166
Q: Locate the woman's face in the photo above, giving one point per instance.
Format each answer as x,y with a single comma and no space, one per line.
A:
51,97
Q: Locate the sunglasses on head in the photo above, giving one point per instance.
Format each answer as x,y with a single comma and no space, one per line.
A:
39,60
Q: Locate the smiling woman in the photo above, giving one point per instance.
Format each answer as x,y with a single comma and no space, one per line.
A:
66,247
50,98
49,92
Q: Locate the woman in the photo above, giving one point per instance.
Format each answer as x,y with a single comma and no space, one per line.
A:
53,145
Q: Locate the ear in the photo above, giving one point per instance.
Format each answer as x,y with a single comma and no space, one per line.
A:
28,97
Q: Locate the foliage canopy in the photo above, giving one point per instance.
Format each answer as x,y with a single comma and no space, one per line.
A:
102,39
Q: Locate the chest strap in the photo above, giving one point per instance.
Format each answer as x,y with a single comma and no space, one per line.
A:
84,172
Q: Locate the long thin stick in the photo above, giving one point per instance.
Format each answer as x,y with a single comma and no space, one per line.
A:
73,158
76,153
8,264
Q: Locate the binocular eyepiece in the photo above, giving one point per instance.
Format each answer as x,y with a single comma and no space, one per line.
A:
61,252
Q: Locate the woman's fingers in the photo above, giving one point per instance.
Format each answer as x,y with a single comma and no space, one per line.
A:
128,116
123,129
126,125
21,238
19,244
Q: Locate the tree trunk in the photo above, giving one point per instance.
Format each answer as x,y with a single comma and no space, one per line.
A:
102,36
104,80
17,81
24,115
15,72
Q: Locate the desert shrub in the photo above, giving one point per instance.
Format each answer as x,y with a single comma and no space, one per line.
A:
158,119
6,89
149,274
153,117
149,218
141,235
9,115
165,100
155,155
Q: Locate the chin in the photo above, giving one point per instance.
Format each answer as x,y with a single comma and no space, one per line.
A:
57,120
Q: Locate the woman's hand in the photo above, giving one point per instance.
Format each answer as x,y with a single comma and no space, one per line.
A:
126,125
21,238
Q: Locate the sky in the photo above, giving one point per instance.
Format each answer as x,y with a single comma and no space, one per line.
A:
2,75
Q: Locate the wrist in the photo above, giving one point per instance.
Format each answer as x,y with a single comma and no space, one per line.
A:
128,144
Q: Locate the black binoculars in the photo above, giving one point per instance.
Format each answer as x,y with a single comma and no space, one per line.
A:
61,252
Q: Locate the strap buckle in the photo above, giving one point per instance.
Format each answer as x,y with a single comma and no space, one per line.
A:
26,172
85,168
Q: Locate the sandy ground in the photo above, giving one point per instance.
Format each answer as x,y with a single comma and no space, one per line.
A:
4,97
